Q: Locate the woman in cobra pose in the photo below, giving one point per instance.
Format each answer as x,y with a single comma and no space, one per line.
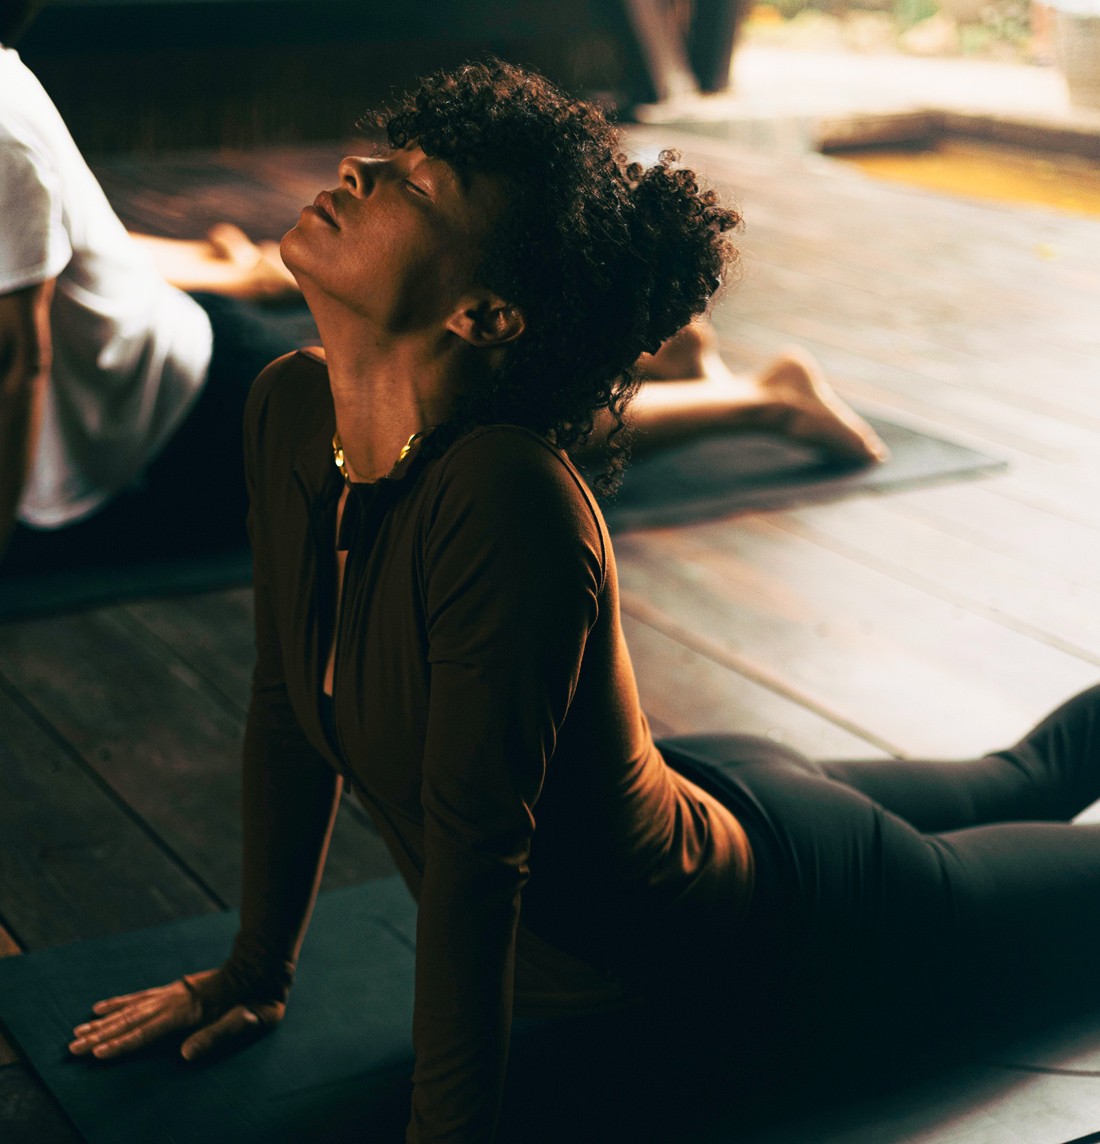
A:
438,626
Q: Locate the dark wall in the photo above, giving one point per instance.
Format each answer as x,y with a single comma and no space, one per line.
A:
151,74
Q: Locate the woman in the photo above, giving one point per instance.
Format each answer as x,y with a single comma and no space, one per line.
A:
437,625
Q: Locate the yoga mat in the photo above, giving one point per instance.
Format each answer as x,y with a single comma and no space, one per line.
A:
722,474
64,590
344,1047
704,479
337,1070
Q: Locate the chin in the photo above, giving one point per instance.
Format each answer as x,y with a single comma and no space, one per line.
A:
290,249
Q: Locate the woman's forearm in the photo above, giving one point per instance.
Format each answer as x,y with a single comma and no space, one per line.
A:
290,799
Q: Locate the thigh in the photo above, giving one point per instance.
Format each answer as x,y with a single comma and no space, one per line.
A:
863,913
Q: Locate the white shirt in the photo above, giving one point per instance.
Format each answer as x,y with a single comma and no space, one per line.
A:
130,352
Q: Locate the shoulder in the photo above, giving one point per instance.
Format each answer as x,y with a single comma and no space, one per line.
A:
510,462
287,390
512,482
28,120
36,247
493,453
289,403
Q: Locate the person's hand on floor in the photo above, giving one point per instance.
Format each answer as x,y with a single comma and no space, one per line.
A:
129,1022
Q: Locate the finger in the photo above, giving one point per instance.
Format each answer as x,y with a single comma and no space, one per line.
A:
145,1034
126,1015
134,1018
110,1004
237,1028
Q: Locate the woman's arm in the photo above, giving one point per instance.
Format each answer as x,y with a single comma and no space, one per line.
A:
514,565
290,799
290,793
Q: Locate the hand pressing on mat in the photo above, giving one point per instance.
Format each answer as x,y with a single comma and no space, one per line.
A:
134,1020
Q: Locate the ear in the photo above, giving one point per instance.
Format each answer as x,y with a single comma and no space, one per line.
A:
487,322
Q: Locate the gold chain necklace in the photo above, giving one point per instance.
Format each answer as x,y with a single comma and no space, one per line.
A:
341,463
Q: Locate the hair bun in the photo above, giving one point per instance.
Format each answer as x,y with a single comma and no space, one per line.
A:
677,232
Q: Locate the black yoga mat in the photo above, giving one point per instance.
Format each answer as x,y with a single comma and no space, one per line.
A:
709,477
63,589
722,474
338,1069
343,1051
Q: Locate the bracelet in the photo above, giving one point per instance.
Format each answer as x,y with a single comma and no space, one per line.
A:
196,996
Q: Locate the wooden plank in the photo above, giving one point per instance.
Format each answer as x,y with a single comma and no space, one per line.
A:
898,665
149,727
972,418
684,692
211,633
182,195
1031,536
837,222
1060,492
1060,488
998,347
74,863
1062,435
889,534
28,1114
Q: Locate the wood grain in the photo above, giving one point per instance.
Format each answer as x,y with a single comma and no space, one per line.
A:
75,863
686,692
911,671
149,728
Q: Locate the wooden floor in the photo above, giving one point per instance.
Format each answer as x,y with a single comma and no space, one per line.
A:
935,622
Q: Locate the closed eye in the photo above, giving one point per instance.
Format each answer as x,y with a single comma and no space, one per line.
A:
416,188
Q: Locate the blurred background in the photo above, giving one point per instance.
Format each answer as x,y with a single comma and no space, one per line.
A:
175,73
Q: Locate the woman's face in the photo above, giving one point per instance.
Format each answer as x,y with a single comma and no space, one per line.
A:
398,241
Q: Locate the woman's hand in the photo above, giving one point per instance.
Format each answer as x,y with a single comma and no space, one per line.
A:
134,1020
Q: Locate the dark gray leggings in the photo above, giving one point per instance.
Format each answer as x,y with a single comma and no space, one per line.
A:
925,886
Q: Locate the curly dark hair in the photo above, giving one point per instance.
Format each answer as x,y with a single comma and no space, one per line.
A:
605,258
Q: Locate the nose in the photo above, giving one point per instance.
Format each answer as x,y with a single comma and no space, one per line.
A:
355,174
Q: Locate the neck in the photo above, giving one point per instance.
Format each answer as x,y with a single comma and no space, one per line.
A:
384,390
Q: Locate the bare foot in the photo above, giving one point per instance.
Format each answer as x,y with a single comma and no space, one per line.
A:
811,411
791,396
264,278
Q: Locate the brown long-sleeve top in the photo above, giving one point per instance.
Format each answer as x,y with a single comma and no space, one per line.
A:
485,712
